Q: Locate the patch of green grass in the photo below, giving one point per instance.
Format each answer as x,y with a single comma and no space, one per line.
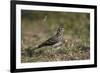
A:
65,53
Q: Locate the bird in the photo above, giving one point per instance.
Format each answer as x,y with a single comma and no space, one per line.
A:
54,41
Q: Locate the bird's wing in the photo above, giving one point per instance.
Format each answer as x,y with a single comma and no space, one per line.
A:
48,42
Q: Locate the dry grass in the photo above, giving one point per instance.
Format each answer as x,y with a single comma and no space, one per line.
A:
71,49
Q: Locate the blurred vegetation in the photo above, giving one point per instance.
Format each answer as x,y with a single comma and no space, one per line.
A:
37,26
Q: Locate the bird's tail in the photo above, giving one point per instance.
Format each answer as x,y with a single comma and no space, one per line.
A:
37,47
30,51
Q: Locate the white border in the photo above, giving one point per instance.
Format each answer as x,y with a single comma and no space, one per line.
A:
20,65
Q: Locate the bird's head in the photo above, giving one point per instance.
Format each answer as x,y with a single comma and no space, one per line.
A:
60,29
